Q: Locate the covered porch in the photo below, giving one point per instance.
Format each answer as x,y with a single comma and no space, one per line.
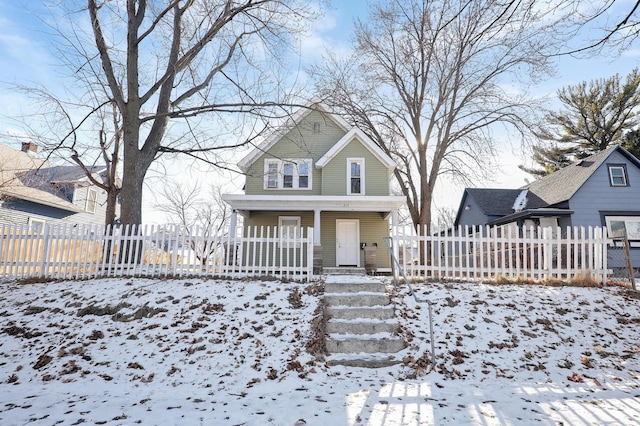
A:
343,226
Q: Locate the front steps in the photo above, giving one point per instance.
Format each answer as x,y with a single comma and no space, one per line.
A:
343,270
361,327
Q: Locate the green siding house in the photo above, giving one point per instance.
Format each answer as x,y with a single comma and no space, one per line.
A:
318,171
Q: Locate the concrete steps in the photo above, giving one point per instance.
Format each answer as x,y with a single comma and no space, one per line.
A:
361,327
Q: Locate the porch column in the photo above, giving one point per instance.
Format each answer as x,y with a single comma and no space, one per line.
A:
394,218
396,249
316,227
233,223
317,245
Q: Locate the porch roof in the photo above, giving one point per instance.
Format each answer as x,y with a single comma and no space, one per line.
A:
244,204
531,214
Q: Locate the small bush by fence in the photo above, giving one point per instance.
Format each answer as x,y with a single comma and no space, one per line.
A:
509,253
85,251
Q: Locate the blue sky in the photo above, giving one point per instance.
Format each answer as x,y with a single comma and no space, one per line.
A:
27,57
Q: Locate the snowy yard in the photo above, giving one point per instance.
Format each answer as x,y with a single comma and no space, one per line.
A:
190,352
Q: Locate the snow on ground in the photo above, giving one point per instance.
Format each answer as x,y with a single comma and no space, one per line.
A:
190,352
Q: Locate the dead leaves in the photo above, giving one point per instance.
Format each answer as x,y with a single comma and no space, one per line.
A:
295,298
575,377
43,360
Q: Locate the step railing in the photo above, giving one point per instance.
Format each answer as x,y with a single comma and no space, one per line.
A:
396,266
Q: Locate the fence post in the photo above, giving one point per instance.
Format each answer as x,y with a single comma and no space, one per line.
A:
45,251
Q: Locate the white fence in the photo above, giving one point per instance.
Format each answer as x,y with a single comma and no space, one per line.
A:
77,252
509,253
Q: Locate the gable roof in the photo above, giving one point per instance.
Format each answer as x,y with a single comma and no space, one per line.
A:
562,184
358,134
544,194
17,169
289,124
492,201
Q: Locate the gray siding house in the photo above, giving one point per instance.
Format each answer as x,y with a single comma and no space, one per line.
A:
600,190
36,192
318,171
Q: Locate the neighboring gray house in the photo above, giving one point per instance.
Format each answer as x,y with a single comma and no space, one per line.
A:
35,192
600,190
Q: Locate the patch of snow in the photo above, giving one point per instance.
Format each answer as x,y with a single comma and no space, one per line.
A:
127,351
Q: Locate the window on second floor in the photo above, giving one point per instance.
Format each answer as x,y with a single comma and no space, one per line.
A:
618,175
355,176
92,200
287,174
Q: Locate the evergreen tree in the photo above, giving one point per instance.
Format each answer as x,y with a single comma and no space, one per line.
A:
596,114
551,159
632,142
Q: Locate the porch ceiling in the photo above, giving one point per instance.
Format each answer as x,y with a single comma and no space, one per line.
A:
244,204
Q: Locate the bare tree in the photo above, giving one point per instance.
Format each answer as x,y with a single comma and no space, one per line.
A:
186,77
200,217
609,24
430,81
203,57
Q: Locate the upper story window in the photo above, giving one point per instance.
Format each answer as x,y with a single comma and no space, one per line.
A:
618,175
355,176
287,174
92,200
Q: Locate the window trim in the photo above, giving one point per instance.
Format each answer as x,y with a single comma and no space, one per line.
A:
92,201
281,238
631,223
268,174
351,160
625,176
280,165
40,223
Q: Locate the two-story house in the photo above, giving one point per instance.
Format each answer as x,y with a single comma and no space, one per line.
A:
317,170
36,192
600,190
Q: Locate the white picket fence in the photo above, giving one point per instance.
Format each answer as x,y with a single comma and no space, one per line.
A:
505,253
80,252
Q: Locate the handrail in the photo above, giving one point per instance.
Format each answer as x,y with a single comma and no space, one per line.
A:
388,241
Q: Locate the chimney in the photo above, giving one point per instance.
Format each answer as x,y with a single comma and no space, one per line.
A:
30,148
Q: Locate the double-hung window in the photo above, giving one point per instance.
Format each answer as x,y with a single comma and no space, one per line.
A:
618,175
355,176
272,174
287,174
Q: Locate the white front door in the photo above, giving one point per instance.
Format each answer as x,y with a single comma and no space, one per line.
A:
347,242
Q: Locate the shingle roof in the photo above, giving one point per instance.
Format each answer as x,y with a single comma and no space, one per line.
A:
494,202
546,192
59,174
560,186
26,177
